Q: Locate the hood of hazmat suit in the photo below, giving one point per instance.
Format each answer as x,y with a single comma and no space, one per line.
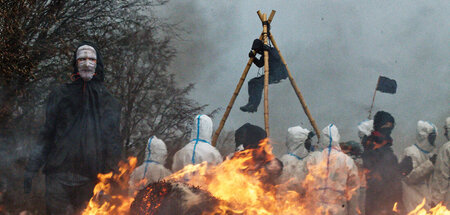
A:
152,169
293,161
200,148
330,138
424,129
81,135
332,176
365,128
416,184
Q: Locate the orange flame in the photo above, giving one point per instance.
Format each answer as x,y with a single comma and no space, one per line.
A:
395,208
239,182
437,210
111,193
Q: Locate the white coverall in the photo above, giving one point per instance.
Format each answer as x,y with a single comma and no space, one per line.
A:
200,148
293,162
332,176
440,180
152,169
415,185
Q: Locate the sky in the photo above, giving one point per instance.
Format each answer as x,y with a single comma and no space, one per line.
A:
335,51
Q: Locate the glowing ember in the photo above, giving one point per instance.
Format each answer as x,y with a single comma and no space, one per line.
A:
163,197
111,193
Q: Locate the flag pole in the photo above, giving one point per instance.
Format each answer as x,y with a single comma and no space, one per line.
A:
373,98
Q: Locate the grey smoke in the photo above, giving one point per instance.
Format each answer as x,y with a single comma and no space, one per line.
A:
335,49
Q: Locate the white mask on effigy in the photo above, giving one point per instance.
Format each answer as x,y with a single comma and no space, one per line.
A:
86,62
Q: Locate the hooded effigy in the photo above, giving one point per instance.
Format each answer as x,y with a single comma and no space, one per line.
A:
81,135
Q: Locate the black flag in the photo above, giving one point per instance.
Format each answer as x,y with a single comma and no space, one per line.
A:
386,85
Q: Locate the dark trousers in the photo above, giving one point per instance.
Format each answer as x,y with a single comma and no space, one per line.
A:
63,199
255,88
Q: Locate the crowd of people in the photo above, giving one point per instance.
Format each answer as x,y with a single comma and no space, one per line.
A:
81,138
364,177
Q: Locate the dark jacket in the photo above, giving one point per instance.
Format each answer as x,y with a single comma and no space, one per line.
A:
383,174
81,134
277,70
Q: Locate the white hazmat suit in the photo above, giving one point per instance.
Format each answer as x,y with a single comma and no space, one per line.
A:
332,176
152,169
365,128
199,149
416,184
440,180
293,162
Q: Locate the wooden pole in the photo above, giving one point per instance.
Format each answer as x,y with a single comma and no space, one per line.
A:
296,89
373,98
233,99
236,91
266,76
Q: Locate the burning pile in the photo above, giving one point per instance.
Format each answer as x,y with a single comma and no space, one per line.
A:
240,185
172,198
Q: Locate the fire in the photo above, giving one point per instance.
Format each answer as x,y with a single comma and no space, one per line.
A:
437,210
395,209
111,193
236,186
240,184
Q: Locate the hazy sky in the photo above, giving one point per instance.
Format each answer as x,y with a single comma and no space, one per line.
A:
335,50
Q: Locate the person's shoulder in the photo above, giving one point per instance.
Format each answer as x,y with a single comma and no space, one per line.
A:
58,91
213,148
445,149
314,157
410,150
285,157
187,147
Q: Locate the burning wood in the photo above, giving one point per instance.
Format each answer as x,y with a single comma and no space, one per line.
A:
173,198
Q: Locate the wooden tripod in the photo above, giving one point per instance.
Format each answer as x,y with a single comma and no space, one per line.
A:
265,36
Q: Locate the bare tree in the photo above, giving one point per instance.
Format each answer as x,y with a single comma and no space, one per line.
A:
152,102
37,39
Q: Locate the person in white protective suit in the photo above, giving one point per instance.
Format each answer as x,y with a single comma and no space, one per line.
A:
152,169
293,162
332,176
365,128
200,148
415,184
440,180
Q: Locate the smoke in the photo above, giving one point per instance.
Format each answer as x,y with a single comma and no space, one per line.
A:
335,50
